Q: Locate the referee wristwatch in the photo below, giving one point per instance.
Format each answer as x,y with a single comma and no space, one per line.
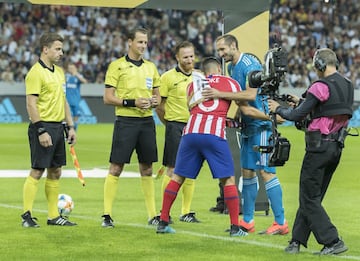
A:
41,130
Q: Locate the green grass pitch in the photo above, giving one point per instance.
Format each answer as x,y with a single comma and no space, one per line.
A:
132,239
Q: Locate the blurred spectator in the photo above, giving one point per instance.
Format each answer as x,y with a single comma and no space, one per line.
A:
96,36
302,26
7,75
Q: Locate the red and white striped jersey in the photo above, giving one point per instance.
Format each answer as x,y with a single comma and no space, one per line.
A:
209,116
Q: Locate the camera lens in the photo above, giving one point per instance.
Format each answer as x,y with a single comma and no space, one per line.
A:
255,79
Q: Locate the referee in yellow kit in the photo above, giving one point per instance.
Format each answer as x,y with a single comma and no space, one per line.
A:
131,85
173,111
47,108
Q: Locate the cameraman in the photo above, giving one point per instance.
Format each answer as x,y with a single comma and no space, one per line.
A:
328,104
254,132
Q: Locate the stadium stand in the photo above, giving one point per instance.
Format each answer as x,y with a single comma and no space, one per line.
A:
301,26
97,36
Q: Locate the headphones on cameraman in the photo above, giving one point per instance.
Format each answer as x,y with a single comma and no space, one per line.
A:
320,64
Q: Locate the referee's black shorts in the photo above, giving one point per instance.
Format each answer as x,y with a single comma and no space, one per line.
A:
47,157
134,133
173,135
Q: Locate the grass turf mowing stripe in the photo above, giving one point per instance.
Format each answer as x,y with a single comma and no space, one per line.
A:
185,232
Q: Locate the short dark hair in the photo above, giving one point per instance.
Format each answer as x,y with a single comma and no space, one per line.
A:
208,62
132,33
229,39
183,44
47,39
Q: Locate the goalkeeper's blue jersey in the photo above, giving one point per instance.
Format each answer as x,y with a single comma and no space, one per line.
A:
246,64
72,89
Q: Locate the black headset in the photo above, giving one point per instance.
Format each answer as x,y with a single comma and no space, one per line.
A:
320,63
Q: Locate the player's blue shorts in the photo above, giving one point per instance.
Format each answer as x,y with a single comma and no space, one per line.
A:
195,148
250,158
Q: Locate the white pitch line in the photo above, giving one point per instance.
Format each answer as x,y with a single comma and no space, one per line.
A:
66,173
195,234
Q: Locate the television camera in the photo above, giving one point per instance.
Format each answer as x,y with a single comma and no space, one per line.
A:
268,80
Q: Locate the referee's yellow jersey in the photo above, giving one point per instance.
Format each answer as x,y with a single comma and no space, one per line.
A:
173,86
50,87
131,82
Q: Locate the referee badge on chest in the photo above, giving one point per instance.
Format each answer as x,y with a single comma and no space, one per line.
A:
149,83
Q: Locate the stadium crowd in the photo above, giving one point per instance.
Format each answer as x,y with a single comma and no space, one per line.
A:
301,26
97,35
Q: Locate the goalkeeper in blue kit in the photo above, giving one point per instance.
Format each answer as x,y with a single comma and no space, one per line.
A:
73,83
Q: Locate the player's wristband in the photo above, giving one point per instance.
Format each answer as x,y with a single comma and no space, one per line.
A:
128,103
39,127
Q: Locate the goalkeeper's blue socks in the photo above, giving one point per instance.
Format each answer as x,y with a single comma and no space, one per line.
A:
249,194
274,193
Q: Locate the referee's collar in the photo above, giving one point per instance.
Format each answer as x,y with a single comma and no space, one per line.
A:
179,70
45,66
137,63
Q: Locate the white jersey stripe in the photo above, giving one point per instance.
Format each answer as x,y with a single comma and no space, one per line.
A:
246,61
197,123
219,127
233,87
263,142
208,123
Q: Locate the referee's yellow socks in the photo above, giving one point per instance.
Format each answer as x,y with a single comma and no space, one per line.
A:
147,185
110,189
188,188
165,182
29,192
52,193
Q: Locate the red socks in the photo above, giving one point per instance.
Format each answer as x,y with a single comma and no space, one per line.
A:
231,198
170,194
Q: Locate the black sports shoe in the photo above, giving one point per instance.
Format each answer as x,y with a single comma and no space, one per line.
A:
216,209
154,221
164,228
60,221
237,231
107,222
189,218
333,249
28,220
220,205
293,247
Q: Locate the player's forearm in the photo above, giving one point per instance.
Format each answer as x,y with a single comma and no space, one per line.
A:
247,95
81,78
254,113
